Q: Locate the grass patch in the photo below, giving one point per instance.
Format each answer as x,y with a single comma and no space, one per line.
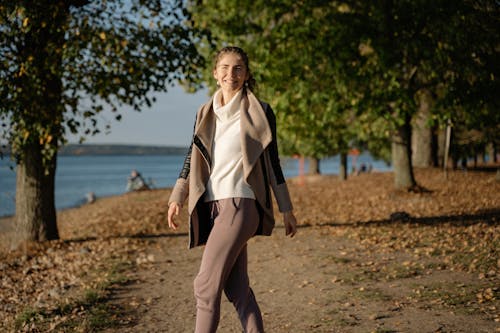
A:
463,298
339,260
473,260
374,294
403,272
387,273
28,315
99,318
346,322
86,312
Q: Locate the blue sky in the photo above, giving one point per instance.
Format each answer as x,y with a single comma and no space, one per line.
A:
169,122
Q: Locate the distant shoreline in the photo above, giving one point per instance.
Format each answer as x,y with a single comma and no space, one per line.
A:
114,149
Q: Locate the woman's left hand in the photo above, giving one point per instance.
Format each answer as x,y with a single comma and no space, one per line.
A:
173,210
290,223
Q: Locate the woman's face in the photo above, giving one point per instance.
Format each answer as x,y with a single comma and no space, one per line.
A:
231,72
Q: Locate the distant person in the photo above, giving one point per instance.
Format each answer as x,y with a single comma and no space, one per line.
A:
362,169
227,177
90,197
135,182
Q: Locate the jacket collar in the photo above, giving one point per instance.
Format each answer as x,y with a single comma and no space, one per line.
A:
255,131
256,134
205,128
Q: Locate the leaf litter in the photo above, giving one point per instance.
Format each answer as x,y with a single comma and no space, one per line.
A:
367,258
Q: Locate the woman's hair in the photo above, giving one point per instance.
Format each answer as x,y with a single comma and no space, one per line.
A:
250,83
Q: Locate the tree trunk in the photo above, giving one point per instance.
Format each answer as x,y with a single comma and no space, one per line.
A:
313,166
401,158
35,204
455,154
343,166
435,146
482,157
440,147
490,152
42,116
421,136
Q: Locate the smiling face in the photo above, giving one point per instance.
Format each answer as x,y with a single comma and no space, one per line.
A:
231,73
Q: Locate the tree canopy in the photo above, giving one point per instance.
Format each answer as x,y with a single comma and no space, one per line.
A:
62,62
350,72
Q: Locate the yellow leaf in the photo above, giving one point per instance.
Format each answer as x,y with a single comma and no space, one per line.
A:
25,22
102,35
22,70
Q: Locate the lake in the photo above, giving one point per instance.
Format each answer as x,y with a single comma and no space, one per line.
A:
107,175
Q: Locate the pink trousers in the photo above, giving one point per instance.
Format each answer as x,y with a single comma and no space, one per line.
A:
224,266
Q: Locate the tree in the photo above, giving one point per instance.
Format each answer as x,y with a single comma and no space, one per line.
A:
416,48
397,54
470,102
61,63
293,51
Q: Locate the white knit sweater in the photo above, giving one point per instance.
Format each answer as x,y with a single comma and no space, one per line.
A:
226,178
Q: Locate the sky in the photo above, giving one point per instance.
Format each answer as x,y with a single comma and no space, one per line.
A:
169,121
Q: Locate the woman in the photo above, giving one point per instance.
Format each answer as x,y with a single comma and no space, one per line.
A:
227,174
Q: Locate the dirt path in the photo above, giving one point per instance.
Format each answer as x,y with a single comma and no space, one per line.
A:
322,281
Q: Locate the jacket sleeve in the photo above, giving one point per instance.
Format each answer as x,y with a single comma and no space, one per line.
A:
180,191
278,183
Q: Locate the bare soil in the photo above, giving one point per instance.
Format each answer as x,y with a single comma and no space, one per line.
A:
366,259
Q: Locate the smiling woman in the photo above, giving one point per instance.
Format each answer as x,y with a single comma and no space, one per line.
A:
226,179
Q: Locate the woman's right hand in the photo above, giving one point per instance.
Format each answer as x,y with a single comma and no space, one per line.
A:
290,223
173,210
